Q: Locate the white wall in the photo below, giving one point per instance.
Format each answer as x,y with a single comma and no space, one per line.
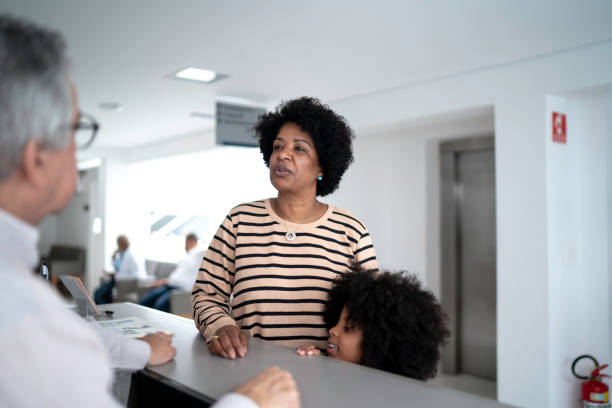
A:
397,168
72,226
95,246
72,222
608,132
518,94
594,123
578,187
47,230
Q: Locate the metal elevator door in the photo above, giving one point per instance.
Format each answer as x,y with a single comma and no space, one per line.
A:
469,256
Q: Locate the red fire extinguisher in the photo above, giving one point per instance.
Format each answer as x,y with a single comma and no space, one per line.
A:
594,391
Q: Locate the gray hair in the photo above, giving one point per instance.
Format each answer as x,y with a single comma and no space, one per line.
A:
35,91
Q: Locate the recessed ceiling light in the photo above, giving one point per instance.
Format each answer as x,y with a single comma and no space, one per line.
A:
111,106
198,74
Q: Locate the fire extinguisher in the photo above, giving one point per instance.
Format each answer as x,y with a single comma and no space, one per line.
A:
594,391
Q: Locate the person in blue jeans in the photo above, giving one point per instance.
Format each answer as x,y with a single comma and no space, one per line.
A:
183,277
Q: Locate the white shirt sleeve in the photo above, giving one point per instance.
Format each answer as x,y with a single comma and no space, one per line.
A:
51,358
124,352
234,400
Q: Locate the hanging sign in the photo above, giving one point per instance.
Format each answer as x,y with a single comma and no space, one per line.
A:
235,124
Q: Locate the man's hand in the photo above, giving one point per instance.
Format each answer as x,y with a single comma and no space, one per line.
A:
273,388
229,342
308,350
160,282
161,348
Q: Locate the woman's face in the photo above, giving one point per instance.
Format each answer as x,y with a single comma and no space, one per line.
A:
344,341
294,163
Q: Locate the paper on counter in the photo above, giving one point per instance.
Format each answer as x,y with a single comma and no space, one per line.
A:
133,327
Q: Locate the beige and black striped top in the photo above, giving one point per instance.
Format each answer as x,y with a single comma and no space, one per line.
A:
279,287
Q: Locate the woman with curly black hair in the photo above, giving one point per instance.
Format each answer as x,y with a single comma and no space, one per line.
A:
384,321
276,258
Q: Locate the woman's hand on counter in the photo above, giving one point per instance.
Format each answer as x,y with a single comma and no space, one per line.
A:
229,342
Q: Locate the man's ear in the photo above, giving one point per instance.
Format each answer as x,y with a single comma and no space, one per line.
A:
32,163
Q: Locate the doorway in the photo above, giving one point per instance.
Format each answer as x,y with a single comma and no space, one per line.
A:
468,252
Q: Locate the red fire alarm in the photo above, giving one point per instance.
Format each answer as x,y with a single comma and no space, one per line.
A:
559,128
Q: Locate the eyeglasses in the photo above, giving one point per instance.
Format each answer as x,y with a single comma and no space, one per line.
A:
85,130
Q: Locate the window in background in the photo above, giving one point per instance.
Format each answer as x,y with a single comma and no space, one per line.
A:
174,196
167,239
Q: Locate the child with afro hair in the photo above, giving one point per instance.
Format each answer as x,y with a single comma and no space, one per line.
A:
384,321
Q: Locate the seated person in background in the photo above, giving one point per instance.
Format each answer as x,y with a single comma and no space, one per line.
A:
183,277
384,321
124,266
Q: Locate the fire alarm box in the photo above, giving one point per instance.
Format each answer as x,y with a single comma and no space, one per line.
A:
559,127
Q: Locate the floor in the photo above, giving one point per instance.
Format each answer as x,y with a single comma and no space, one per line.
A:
468,383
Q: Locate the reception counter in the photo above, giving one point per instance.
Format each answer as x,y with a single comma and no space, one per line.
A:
201,378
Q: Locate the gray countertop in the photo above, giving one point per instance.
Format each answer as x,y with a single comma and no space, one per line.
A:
322,381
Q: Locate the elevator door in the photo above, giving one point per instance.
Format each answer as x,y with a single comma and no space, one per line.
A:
470,176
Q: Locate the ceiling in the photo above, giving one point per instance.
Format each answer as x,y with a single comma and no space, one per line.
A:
123,51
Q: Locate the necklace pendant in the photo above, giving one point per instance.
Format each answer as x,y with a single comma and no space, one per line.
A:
290,236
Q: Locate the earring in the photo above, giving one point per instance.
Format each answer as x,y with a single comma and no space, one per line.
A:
320,178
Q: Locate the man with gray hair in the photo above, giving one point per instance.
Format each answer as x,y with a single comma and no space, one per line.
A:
50,357
41,339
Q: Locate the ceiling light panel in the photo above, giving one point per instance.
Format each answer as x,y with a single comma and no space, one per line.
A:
199,75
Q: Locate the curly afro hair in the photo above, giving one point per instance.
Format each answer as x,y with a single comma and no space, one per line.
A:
330,132
403,325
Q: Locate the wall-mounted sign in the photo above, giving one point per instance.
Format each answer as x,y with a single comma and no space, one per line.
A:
559,127
235,124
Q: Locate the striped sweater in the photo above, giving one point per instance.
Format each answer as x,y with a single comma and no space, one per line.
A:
278,287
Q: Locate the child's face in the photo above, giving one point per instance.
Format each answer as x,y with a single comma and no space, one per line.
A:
345,341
